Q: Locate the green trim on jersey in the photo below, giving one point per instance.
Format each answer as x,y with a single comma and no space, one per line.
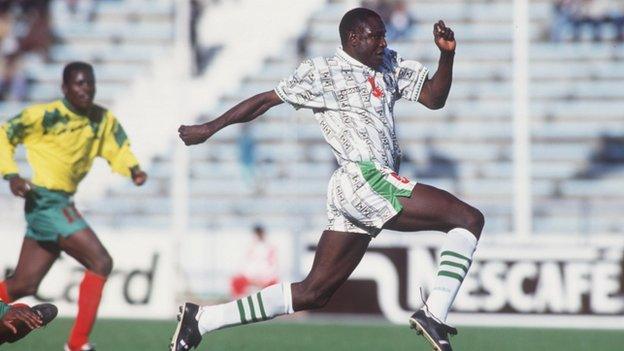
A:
377,180
120,134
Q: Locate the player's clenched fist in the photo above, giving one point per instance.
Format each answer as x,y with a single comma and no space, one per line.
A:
444,37
19,186
196,134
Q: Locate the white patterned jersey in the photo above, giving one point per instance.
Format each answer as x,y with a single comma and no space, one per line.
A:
354,104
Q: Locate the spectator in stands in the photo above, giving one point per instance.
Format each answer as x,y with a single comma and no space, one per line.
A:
260,268
395,15
247,156
12,82
37,38
303,45
595,14
400,22
565,12
84,10
26,30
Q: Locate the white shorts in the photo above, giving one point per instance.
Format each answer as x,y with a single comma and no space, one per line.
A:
363,196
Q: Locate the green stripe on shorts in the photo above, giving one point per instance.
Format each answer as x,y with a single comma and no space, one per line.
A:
381,186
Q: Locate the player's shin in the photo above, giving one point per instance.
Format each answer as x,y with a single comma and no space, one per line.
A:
270,302
455,259
89,298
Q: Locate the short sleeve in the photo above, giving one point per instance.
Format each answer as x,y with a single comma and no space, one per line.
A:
303,88
411,76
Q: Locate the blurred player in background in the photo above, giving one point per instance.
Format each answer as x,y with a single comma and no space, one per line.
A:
352,95
259,267
62,138
17,320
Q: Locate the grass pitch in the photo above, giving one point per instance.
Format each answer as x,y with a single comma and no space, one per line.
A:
122,335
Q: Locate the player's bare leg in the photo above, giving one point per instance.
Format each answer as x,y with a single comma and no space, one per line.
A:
35,260
336,257
87,249
430,208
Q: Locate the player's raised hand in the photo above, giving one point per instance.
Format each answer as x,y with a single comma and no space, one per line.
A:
19,186
444,37
21,313
196,134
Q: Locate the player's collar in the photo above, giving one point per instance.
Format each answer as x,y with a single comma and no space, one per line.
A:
71,107
343,55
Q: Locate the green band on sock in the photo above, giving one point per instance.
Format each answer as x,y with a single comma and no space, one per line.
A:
241,311
251,309
261,305
455,254
451,275
453,264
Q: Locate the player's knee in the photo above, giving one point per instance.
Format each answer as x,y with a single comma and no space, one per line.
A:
23,288
474,221
103,265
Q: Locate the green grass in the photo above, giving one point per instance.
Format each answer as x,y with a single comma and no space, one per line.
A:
121,335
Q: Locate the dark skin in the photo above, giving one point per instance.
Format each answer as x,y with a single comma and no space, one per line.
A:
19,314
36,257
428,208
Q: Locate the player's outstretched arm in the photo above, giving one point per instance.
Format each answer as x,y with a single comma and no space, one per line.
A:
435,90
245,111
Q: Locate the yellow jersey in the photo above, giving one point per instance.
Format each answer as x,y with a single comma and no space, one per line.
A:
61,144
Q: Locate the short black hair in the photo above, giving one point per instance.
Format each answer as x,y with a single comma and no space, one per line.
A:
352,20
75,66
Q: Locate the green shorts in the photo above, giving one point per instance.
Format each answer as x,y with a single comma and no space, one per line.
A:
4,308
50,214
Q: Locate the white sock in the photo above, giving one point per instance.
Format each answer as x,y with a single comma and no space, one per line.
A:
455,259
266,304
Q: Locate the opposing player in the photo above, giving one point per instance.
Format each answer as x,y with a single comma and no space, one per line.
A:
17,320
352,95
62,138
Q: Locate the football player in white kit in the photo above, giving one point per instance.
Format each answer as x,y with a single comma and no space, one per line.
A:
352,96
